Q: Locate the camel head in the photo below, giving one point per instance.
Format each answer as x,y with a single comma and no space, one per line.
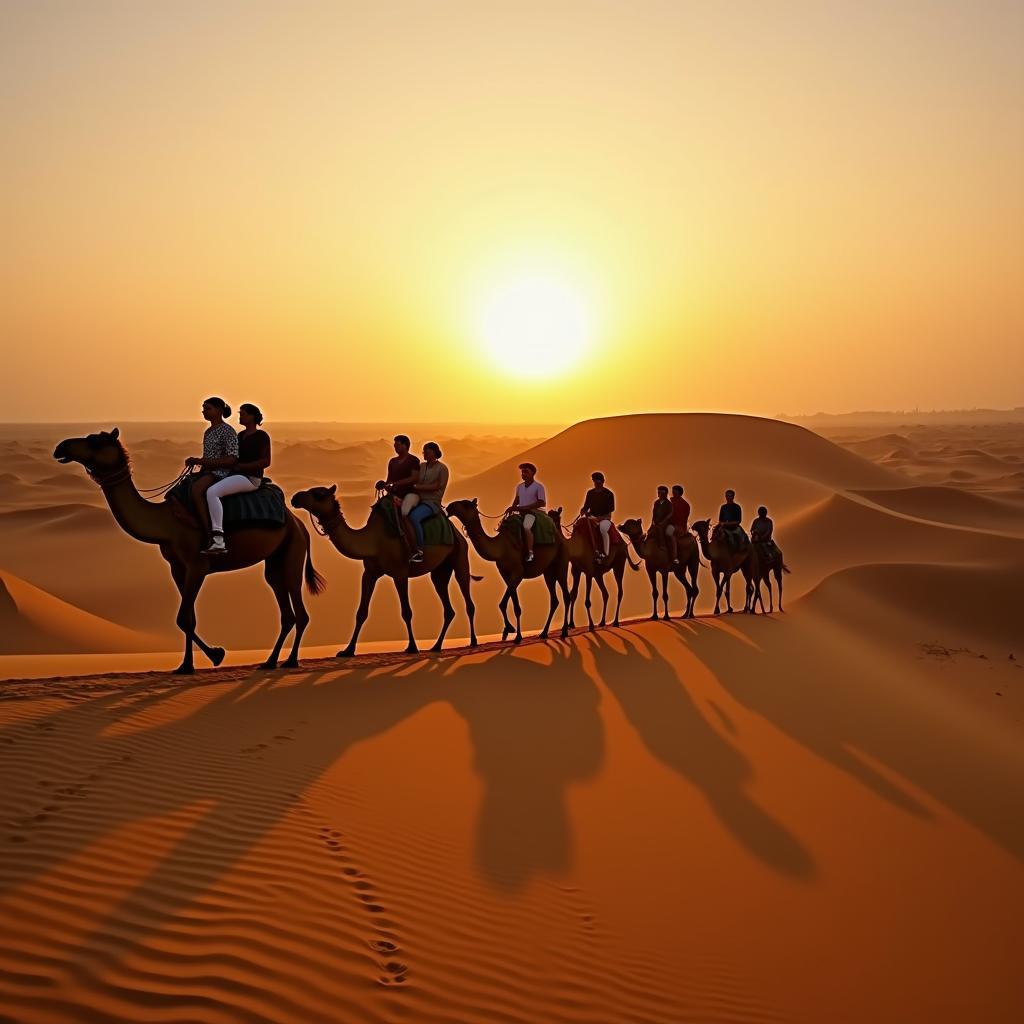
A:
633,529
320,502
101,454
464,510
701,527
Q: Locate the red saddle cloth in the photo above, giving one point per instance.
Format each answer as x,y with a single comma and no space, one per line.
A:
588,529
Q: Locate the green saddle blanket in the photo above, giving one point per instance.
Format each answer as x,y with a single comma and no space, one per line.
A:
436,530
544,529
262,506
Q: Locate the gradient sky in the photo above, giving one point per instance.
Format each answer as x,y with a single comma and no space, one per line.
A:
766,206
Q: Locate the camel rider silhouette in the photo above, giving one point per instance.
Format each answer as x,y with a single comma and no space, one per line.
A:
661,520
761,530
431,481
598,506
530,496
730,518
400,483
680,520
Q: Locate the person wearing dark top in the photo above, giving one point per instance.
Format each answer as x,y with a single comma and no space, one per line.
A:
661,518
244,476
598,505
730,517
403,474
761,528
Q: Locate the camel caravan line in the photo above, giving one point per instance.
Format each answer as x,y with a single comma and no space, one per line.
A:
222,514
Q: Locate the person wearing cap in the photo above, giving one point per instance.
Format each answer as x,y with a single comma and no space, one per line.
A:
598,505
530,496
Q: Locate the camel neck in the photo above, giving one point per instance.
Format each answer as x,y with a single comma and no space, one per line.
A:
487,547
141,519
353,543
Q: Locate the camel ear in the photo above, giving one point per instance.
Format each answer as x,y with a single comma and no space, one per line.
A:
474,503
115,434
332,488
559,509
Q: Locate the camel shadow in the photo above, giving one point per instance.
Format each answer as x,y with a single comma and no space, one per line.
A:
656,702
865,714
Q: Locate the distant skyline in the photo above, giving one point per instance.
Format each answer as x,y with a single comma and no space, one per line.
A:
498,212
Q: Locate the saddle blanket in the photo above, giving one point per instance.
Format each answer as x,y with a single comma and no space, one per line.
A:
544,529
436,530
263,506
591,533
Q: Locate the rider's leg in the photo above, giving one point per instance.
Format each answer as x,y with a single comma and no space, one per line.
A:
528,520
605,526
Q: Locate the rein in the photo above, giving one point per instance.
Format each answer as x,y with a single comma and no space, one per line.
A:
324,528
123,473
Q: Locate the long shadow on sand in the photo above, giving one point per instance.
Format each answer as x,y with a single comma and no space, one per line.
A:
856,706
658,705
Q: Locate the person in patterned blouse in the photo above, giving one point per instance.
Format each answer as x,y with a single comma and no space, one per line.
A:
220,453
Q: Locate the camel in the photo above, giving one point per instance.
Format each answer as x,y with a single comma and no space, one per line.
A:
384,553
580,548
658,561
769,564
550,561
724,563
283,549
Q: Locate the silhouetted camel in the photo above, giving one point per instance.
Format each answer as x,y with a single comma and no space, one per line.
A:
724,562
550,561
384,553
769,562
284,549
580,547
658,561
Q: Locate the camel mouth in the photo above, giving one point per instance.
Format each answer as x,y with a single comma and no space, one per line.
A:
63,459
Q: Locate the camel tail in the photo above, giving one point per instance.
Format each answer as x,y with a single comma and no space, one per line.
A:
635,566
785,568
315,583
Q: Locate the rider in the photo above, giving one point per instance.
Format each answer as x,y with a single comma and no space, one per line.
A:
431,481
661,517
244,476
403,472
761,528
599,504
530,497
730,518
220,453
680,520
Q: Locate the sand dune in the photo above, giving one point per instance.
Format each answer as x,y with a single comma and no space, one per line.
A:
32,621
949,505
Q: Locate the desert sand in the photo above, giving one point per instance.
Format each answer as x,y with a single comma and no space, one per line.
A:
807,817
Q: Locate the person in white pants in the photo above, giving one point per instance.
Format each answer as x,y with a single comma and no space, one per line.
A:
245,475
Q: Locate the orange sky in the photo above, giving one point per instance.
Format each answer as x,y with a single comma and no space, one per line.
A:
762,207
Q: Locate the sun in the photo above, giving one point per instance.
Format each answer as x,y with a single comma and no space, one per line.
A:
535,324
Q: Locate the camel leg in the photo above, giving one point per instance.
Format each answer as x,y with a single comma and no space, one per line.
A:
549,582
518,638
652,575
728,593
186,619
273,575
215,654
564,581
778,583
574,593
664,592
507,627
402,586
301,622
719,583
619,570
586,602
464,581
441,577
599,580
693,591
367,584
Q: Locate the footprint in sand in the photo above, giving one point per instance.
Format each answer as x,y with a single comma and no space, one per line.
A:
392,971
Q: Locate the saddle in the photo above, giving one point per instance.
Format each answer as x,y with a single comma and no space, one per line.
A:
544,531
587,528
437,529
263,507
735,536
